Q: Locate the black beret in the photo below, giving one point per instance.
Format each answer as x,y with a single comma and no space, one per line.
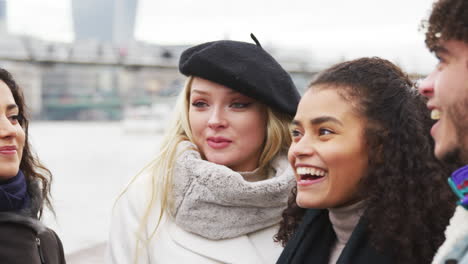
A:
244,67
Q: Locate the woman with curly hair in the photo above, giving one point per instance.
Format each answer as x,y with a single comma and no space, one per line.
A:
24,187
368,184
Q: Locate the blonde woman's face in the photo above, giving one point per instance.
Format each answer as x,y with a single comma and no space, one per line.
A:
12,136
229,128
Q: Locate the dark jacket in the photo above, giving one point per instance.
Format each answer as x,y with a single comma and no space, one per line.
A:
314,239
26,240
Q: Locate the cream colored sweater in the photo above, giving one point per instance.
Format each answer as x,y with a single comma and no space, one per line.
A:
344,220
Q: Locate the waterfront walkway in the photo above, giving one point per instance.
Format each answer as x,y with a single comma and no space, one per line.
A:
91,255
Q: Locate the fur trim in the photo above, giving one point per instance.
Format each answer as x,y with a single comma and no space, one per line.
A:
456,238
216,202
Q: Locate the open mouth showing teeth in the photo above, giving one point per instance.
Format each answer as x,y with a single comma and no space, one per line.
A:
310,173
435,114
310,177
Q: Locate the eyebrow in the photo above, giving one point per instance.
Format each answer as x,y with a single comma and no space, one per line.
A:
205,92
199,91
11,107
440,49
320,120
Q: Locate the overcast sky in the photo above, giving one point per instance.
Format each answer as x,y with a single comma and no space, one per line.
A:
324,29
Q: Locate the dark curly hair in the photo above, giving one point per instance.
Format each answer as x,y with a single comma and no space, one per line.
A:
407,198
448,21
30,165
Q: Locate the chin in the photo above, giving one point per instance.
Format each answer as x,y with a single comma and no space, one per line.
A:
306,202
439,154
452,156
220,160
441,148
7,173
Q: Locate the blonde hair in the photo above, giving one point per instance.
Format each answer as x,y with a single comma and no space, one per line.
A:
277,141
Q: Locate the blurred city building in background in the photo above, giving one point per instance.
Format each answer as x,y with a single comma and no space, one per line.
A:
3,16
105,73
106,21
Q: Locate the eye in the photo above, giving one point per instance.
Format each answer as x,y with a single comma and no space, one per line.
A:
295,133
439,58
199,104
441,61
240,105
325,132
14,119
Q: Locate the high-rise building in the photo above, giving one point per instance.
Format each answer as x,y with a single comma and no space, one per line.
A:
104,20
3,16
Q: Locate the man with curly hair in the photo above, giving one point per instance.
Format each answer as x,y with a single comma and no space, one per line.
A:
447,91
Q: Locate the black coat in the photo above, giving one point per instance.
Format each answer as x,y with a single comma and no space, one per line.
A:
26,240
314,239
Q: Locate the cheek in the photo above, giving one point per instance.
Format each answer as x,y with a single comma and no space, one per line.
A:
450,85
252,127
196,122
197,127
252,138
349,168
21,140
350,174
291,157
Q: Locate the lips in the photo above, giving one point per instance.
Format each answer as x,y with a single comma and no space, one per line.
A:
218,142
434,129
8,150
310,175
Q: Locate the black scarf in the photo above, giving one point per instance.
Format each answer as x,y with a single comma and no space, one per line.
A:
14,194
314,240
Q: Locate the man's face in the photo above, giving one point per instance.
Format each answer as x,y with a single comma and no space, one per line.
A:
447,90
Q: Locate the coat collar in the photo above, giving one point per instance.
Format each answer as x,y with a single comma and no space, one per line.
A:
234,250
10,217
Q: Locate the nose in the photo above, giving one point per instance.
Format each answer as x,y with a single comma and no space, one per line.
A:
426,86
302,148
217,119
7,129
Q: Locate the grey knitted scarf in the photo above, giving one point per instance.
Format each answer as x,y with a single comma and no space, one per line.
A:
216,202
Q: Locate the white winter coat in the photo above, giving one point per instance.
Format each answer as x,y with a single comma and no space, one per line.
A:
171,244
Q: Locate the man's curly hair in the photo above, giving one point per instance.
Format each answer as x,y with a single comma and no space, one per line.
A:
448,21
407,198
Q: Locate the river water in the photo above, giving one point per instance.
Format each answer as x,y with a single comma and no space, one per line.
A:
91,162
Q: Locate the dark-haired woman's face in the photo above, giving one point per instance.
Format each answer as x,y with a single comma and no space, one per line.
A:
328,152
12,136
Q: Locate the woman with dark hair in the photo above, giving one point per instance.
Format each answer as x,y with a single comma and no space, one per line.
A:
368,185
24,187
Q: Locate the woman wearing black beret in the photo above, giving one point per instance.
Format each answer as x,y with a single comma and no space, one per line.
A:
365,170
24,187
215,192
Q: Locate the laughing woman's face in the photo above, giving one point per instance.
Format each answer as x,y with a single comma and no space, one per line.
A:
12,136
328,152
